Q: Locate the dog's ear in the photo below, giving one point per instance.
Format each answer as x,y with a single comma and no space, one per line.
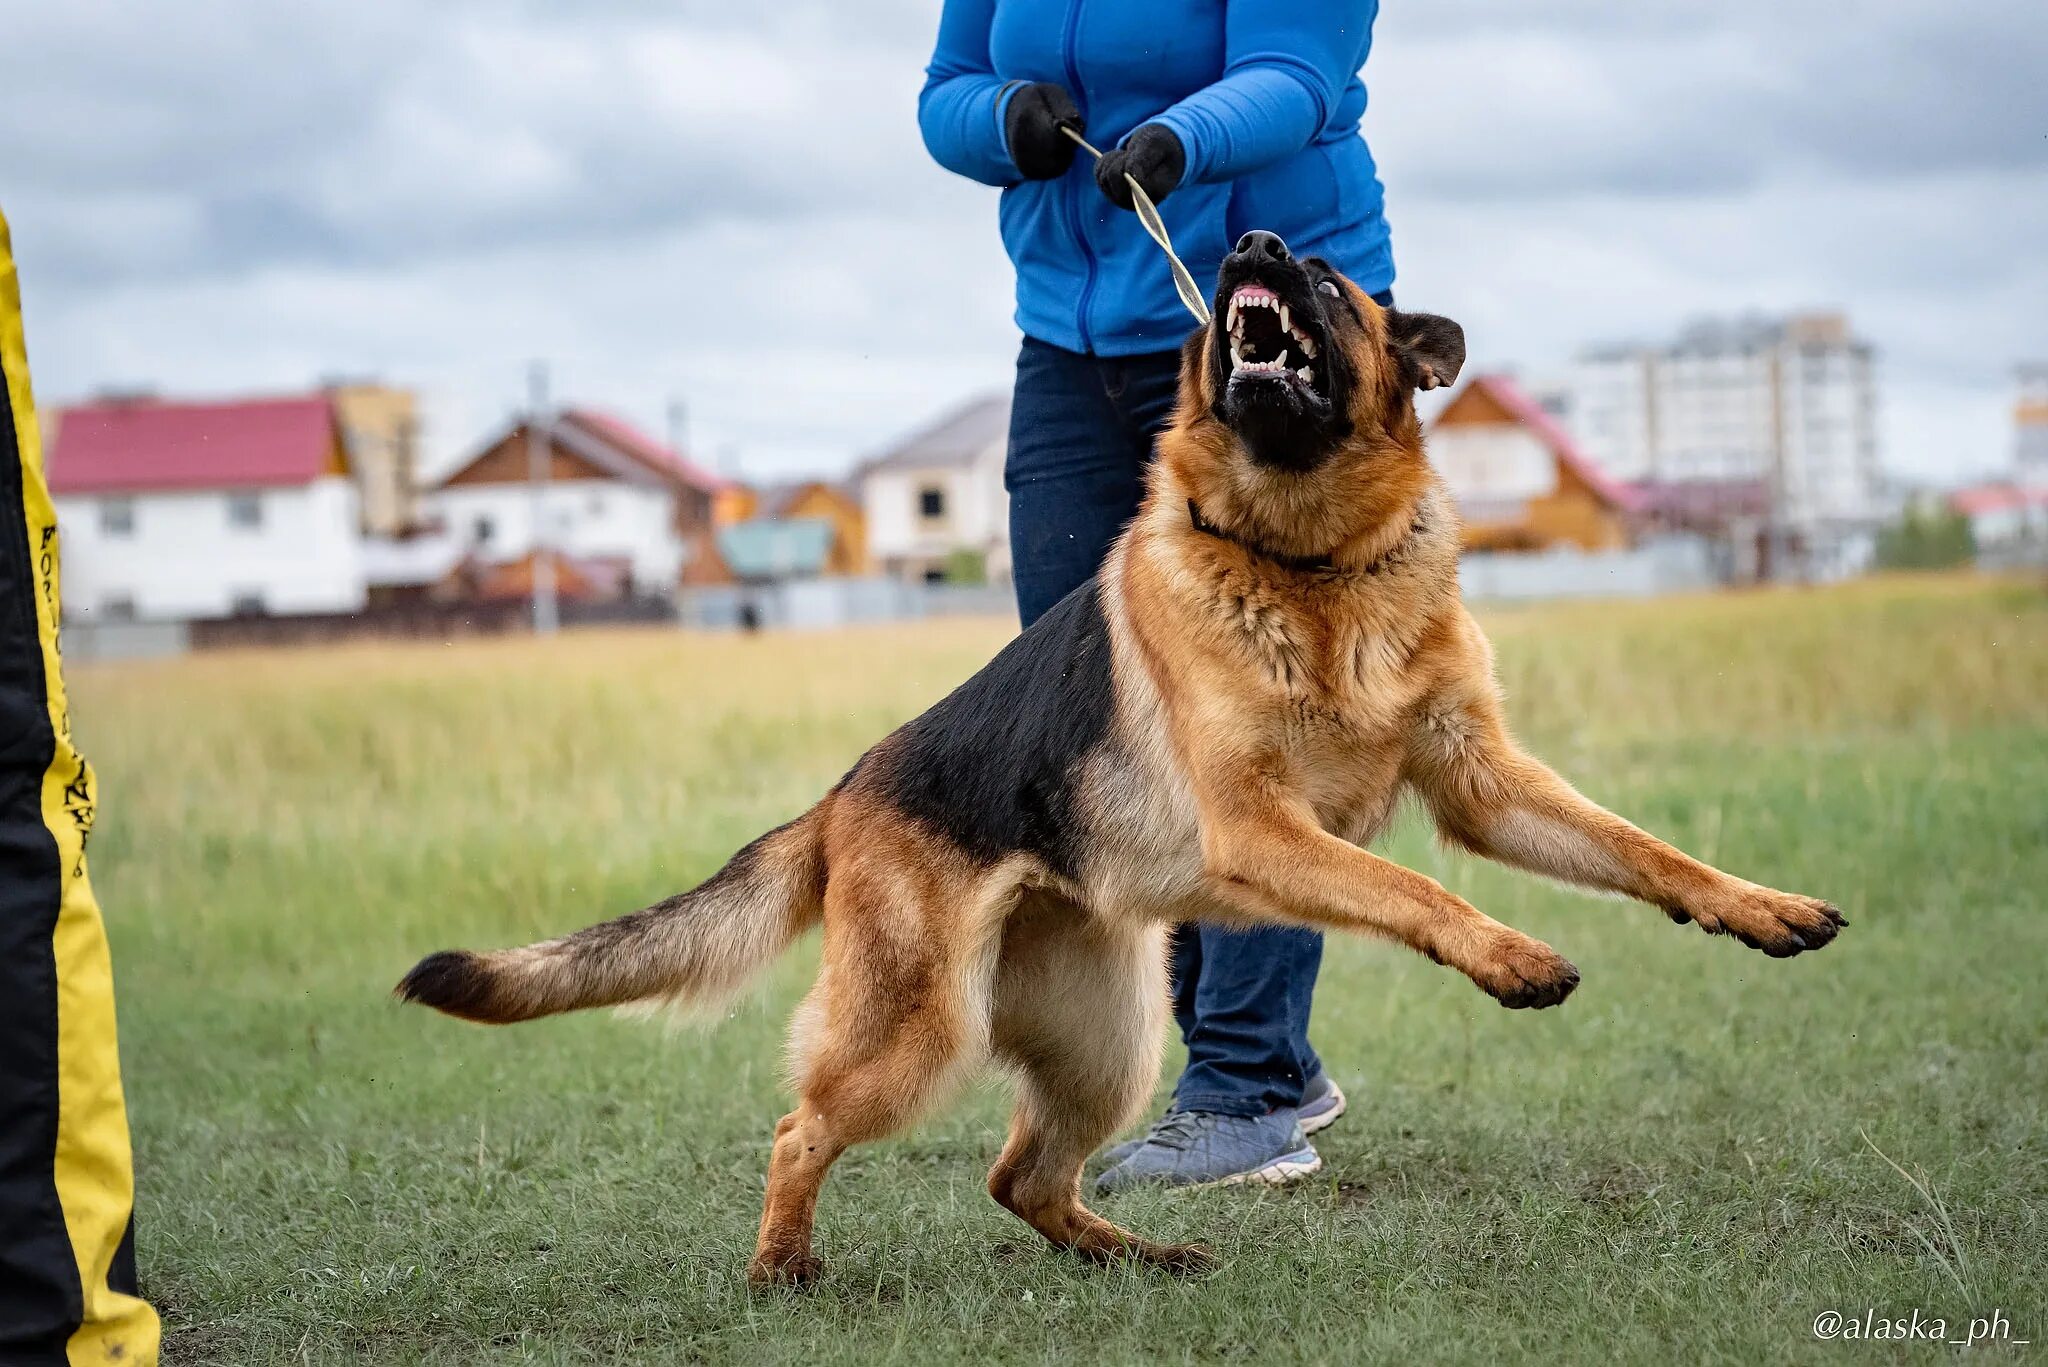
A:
1431,349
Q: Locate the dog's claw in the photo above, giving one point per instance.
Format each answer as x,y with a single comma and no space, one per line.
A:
1780,924
1530,976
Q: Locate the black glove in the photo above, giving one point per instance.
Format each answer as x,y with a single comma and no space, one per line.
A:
1153,155
1031,126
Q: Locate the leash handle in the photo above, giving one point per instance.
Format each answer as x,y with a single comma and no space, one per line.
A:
1148,214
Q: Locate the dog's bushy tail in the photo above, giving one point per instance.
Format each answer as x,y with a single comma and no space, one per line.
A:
693,948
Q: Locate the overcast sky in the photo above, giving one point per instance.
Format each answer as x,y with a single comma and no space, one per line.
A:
730,202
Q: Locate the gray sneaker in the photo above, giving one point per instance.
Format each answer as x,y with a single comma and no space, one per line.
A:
1322,1102
1202,1149
1117,1153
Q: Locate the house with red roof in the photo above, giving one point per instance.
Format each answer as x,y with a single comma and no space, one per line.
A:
2008,520
1521,483
181,511
611,493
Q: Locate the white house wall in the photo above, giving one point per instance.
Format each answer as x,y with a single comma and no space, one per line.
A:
184,560
583,517
977,514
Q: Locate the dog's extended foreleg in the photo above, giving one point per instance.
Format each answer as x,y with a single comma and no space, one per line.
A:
1266,858
1487,795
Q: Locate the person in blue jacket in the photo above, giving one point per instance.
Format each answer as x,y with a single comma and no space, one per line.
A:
1233,115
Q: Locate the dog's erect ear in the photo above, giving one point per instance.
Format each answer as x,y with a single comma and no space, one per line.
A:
1431,349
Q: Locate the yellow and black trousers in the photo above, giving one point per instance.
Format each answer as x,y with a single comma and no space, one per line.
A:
67,1186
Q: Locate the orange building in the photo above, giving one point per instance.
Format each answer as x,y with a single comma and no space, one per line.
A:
811,500
1520,482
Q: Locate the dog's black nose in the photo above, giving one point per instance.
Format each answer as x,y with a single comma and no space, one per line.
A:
1258,242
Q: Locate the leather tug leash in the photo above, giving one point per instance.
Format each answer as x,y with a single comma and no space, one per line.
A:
1148,214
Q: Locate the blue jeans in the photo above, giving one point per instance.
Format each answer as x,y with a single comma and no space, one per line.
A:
1081,430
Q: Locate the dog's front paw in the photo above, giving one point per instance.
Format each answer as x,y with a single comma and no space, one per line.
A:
1780,924
1519,972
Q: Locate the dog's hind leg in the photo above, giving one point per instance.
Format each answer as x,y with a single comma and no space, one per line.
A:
895,1016
873,1075
1079,1014
859,1087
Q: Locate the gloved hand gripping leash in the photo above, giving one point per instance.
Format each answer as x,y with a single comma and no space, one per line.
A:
1148,214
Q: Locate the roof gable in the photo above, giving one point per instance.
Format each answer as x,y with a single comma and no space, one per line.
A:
630,442
1498,399
808,498
141,446
583,445
958,438
508,461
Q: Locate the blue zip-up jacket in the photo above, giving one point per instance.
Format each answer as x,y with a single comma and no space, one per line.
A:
1265,97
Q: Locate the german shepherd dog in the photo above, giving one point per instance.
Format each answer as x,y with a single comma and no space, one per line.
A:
1213,728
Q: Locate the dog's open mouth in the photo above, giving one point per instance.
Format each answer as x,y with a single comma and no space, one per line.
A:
1265,340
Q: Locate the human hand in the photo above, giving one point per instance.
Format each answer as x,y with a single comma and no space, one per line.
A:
1153,156
1031,127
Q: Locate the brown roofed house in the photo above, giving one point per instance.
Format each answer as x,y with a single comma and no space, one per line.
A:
1520,481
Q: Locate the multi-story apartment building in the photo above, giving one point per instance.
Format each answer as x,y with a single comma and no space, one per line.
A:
1789,403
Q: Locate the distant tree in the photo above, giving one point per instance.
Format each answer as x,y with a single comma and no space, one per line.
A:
1927,536
966,567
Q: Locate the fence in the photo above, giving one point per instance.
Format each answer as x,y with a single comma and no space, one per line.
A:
90,640
124,640
1667,565
819,603
1674,564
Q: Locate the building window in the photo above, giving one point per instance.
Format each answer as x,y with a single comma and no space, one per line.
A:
117,607
935,574
480,531
247,603
117,517
931,502
245,512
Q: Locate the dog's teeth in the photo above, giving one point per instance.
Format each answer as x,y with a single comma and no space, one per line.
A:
1281,364
1308,347
1307,376
1285,326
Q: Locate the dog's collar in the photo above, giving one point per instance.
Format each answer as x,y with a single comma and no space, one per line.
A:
1303,564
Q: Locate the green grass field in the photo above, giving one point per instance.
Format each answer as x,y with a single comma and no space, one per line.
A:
1681,1162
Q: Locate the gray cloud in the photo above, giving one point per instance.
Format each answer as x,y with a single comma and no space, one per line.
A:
731,201
1664,100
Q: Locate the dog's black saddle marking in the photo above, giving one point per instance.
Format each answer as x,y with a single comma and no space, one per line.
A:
994,764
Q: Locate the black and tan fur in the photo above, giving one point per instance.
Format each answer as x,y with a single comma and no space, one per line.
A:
1212,728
